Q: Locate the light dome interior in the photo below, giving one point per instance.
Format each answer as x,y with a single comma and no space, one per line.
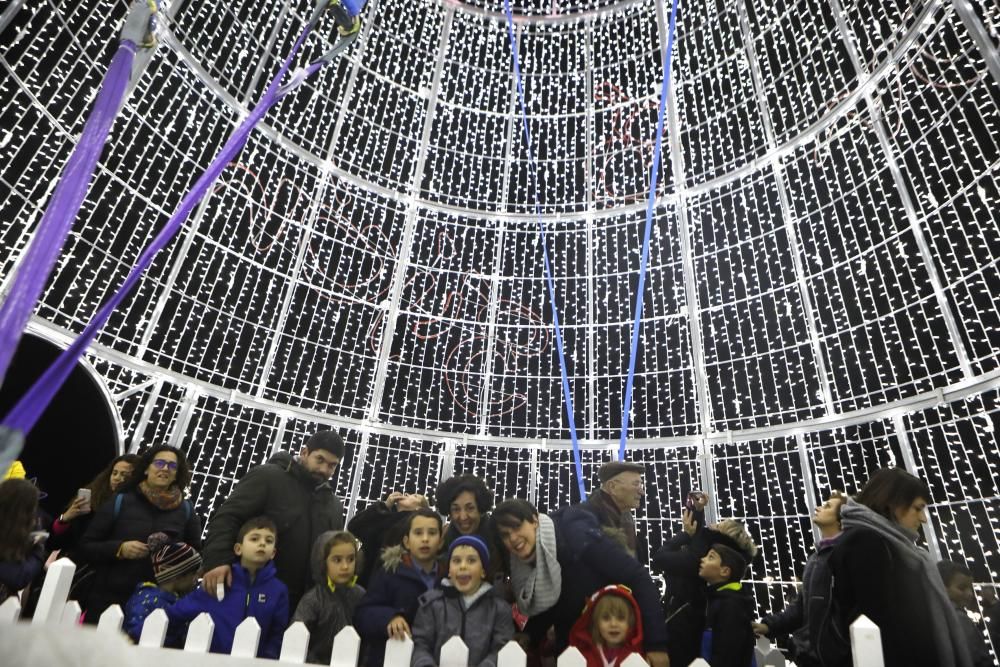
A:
822,294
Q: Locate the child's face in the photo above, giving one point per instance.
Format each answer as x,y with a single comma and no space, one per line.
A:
257,548
465,569
340,563
185,584
424,539
613,629
711,568
960,591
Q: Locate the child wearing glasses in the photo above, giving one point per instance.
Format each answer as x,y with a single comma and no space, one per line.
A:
117,541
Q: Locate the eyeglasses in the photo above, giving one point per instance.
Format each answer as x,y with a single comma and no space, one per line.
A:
160,464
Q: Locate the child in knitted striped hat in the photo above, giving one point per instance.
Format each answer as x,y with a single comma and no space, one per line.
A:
176,568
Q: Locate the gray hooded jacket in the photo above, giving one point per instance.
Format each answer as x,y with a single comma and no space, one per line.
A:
325,611
485,626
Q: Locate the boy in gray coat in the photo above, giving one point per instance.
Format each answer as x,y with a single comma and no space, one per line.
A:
465,606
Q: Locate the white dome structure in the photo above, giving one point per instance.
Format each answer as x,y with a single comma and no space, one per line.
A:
823,290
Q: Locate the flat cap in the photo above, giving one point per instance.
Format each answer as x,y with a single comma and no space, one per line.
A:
615,468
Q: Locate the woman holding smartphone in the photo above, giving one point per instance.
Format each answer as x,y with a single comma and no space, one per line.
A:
69,527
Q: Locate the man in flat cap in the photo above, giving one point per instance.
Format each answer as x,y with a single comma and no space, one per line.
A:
621,492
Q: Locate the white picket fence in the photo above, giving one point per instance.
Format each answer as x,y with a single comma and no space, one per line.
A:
56,623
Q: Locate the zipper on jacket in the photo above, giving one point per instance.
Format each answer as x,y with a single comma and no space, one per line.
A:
246,606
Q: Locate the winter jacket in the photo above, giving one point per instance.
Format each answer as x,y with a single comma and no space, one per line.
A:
394,590
728,638
325,608
149,597
17,574
582,636
820,642
974,638
377,526
265,598
301,507
678,560
485,625
871,579
115,578
590,560
616,523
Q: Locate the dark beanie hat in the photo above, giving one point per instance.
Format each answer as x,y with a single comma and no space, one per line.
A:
175,560
615,468
474,542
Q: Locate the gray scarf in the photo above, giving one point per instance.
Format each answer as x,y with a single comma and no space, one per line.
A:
537,585
949,637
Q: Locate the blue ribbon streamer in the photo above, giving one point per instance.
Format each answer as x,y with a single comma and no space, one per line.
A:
567,397
650,204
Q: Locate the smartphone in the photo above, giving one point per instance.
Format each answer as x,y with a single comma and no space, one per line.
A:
693,497
84,494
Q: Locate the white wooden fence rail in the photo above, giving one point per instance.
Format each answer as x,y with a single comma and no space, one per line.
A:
56,624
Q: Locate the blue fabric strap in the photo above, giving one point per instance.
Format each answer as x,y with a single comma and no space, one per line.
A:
567,396
650,205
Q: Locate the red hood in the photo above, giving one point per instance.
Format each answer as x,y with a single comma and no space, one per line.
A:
581,638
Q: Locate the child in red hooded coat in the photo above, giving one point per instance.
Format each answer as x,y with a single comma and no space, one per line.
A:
610,628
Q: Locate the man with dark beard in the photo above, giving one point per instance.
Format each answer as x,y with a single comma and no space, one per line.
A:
295,493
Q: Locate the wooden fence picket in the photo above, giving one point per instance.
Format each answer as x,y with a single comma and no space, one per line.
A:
512,655
295,643
454,653
866,643
346,648
154,629
199,634
71,614
247,638
110,622
571,657
10,610
398,652
55,592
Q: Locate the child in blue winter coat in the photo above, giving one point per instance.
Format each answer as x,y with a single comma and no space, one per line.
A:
175,567
465,606
256,591
408,571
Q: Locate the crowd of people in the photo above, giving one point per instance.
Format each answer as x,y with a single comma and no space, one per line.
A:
277,549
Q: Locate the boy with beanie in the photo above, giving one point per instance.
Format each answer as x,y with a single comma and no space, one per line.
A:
727,640
176,568
464,606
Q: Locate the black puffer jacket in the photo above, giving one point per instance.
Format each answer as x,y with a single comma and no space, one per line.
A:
684,603
136,519
283,490
821,642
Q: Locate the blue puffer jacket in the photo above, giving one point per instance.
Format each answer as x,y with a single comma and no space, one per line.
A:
394,590
266,599
149,597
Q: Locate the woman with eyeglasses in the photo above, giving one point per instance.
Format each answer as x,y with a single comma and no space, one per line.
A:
148,512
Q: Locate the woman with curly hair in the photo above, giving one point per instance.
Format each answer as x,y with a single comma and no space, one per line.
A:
21,557
148,511
68,528
467,501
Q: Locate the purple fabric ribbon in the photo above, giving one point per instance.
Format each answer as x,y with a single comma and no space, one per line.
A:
63,207
25,414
